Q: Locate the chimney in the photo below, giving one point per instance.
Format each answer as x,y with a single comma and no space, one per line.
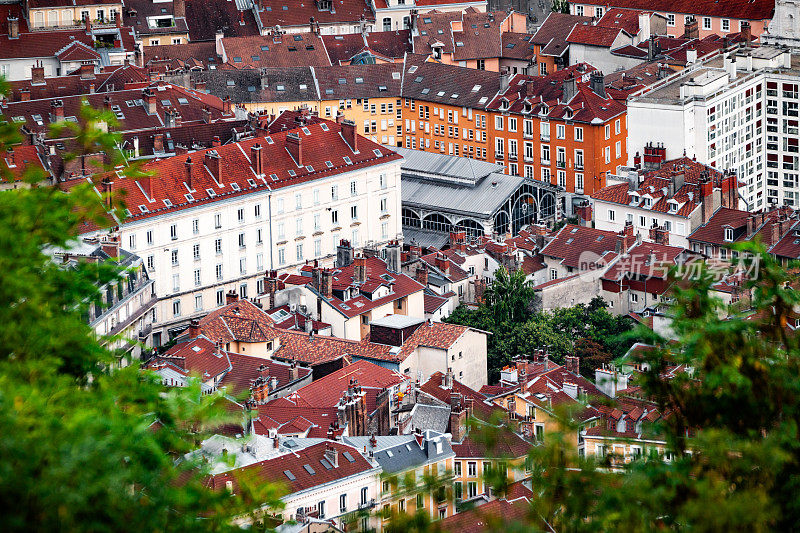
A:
573,364
706,197
206,115
57,110
419,437
326,284
344,254
150,101
255,159
24,95
422,274
568,89
271,287
111,246
360,269
88,25
158,143
200,86
226,105
187,175
107,186
231,297
458,418
169,118
294,371
505,79
443,263
216,141
194,328
653,50
747,35
350,135
37,74
179,8
729,191
659,234
447,379
294,143
13,28
393,256
691,30
597,82
214,164
332,455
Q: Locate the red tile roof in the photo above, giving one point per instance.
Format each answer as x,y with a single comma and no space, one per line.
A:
638,264
322,143
789,245
507,445
16,161
482,409
713,231
377,275
327,391
497,515
438,335
594,35
625,19
238,321
198,356
571,241
306,49
553,32
245,369
737,9
274,470
207,17
285,14
433,303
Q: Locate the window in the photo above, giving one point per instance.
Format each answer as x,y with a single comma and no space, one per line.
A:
579,134
472,469
298,226
579,10
240,215
195,227
198,302
173,232
217,221
241,240
220,297
218,246
334,192
354,212
364,493
174,255
218,272
617,126
343,503
176,308
149,236
560,131
611,215
670,19
243,290
539,432
608,131
457,468
299,250
259,237
321,509
472,487
706,23
481,64
243,265
132,242
298,201
353,188
498,123
196,252
150,262
317,247
729,234
598,12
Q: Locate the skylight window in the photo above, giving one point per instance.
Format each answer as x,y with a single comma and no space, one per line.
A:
599,238
143,209
296,37
483,100
476,88
359,80
303,86
459,43
418,79
440,93
569,241
377,152
235,187
309,469
255,58
328,164
289,474
309,168
347,160
280,88
167,202
395,75
382,88
412,69
342,81
511,45
328,91
348,457
306,130
454,95
425,90
274,177
128,213
269,140
251,88
292,173
189,197
183,101
230,83
265,48
324,127
252,182
237,59
211,193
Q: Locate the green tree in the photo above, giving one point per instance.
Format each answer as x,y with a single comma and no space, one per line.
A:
510,296
560,6
77,446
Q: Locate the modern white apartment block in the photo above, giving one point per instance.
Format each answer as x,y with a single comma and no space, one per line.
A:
217,220
736,111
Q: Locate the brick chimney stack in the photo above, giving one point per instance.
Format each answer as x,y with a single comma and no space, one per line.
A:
256,158
271,287
150,101
360,269
37,74
13,28
706,197
158,143
57,110
231,297
294,143
422,274
350,135
187,176
573,364
326,283
458,418
214,163
194,328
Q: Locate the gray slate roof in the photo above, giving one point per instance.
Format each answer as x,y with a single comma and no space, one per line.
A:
400,453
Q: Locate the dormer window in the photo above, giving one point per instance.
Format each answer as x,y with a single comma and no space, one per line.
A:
504,104
543,110
648,202
728,234
673,206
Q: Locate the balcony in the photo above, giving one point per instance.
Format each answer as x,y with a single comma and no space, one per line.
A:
145,332
529,159
579,166
544,138
545,162
369,504
499,156
512,156
561,164
527,135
